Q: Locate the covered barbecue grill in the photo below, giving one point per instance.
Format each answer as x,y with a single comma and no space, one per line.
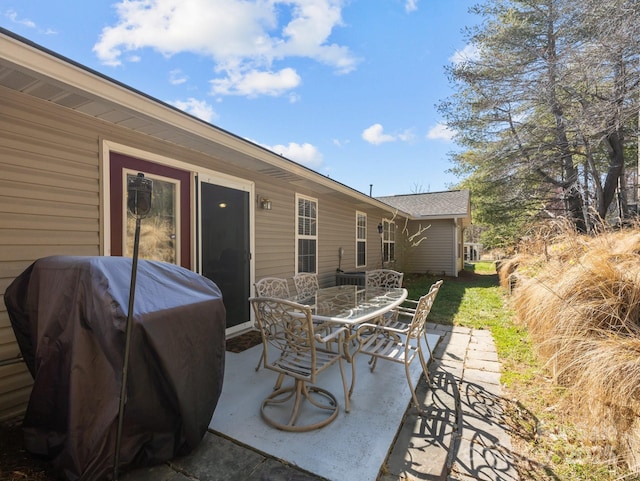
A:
69,316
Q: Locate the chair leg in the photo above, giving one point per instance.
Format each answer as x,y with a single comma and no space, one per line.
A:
278,383
353,377
413,391
300,392
347,393
372,362
425,366
260,360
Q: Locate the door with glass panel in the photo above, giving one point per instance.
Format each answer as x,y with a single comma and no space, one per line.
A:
225,244
165,234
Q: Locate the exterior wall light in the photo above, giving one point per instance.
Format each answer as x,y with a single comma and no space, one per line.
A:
265,204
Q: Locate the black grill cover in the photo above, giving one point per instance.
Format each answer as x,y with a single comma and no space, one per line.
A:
69,316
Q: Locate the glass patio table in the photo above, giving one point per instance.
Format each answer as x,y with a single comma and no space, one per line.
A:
350,306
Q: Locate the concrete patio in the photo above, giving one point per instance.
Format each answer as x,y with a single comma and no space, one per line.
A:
463,437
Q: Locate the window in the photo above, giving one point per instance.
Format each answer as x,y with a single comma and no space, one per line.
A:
388,241
165,234
306,234
361,239
158,240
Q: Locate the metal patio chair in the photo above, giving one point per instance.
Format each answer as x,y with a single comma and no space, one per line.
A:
271,287
383,278
287,328
306,284
401,342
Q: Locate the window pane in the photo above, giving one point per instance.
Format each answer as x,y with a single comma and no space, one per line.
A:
361,227
307,229
306,255
158,229
306,217
361,254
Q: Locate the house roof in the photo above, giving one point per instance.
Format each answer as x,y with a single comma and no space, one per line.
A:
451,204
38,72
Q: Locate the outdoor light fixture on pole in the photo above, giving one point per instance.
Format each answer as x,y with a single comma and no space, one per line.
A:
139,192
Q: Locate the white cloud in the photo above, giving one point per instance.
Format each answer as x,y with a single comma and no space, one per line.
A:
255,83
468,53
375,135
305,154
197,108
340,143
406,136
440,132
244,39
411,5
13,16
176,77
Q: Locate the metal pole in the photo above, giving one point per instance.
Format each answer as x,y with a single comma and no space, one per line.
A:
127,343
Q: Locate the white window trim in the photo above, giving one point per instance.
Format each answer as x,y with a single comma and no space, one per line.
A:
176,208
386,227
299,197
361,239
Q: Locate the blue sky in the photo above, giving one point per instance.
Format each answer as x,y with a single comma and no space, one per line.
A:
345,87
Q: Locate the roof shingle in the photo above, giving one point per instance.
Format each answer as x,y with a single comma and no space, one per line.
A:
451,203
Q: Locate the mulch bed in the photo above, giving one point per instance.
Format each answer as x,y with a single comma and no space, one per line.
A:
16,464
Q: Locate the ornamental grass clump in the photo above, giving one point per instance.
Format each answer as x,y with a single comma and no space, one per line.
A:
580,299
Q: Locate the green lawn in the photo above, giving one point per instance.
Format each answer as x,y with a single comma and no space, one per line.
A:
476,300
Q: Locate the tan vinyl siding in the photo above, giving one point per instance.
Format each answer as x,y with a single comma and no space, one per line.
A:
435,254
275,233
16,387
50,205
338,229
275,236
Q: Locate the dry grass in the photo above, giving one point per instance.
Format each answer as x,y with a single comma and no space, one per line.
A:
579,297
156,239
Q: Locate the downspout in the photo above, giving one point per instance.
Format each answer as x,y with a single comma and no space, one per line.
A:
455,247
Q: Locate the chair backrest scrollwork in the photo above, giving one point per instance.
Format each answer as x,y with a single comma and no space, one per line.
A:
306,284
272,287
422,311
384,278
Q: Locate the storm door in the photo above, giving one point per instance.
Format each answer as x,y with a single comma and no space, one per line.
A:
225,246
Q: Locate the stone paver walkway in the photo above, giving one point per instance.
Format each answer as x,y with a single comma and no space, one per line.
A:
464,436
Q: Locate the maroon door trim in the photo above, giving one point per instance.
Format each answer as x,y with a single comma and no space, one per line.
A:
119,162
